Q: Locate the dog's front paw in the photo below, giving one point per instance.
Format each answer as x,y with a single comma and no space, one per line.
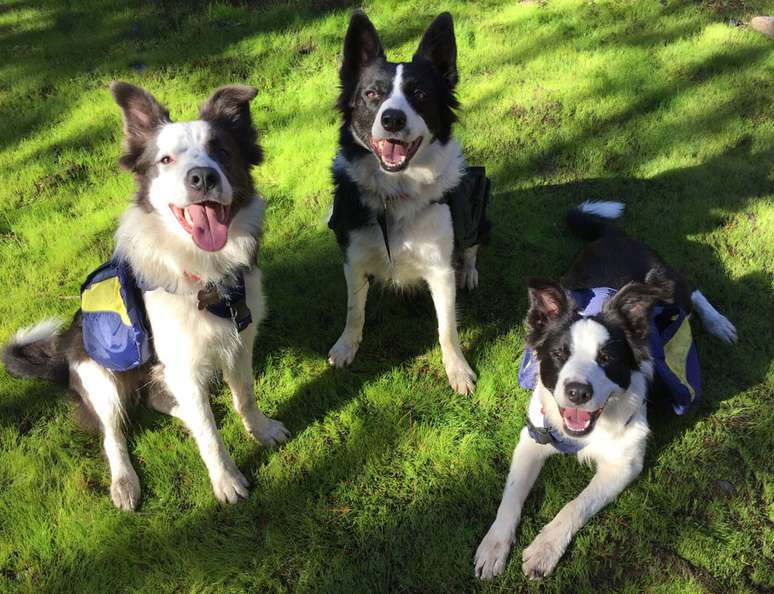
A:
229,485
722,328
540,558
467,278
343,352
125,490
271,433
492,553
461,377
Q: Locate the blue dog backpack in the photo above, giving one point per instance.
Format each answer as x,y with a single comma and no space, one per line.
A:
115,328
116,333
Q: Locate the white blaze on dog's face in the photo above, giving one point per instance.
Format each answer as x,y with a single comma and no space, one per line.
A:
194,175
190,190
593,371
398,131
584,361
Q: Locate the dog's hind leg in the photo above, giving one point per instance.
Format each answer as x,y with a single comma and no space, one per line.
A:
443,290
528,459
467,276
343,352
540,558
713,320
239,377
103,394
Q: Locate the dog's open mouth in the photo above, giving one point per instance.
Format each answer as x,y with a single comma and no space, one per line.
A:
579,422
207,222
393,154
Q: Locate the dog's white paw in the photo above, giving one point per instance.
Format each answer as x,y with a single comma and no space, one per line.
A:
722,327
271,433
229,485
492,553
343,352
468,278
540,558
125,490
461,376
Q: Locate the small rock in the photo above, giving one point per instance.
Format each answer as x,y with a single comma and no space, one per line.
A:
763,24
726,488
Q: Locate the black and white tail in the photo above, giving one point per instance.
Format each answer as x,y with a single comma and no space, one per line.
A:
34,353
591,220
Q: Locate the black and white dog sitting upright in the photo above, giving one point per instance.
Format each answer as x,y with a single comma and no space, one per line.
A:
594,374
406,208
190,240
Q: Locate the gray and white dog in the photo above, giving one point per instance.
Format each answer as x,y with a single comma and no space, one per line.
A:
195,222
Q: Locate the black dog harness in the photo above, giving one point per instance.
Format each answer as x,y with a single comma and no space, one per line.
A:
467,202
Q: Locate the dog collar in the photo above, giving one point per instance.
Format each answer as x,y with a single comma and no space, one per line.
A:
223,300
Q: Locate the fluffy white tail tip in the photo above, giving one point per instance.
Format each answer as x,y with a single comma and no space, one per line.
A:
40,331
604,209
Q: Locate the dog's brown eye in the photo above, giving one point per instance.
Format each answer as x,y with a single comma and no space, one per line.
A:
371,95
559,354
603,358
419,94
165,160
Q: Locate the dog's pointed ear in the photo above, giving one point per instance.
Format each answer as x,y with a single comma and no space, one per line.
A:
633,304
142,115
439,46
547,301
361,45
229,107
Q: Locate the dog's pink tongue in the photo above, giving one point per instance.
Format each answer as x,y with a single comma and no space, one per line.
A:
207,231
393,152
576,419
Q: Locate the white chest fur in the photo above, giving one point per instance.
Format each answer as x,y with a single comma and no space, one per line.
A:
185,336
416,246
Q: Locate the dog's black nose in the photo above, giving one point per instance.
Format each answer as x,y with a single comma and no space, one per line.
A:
393,120
202,179
578,393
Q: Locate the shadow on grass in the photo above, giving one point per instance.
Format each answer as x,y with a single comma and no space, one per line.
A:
95,41
404,543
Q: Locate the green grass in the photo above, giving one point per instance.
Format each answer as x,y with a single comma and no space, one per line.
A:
391,480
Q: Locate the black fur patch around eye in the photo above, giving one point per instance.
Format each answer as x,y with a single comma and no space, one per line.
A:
438,105
553,353
620,360
360,113
227,151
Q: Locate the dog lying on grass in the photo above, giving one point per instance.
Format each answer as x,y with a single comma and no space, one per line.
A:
180,299
598,351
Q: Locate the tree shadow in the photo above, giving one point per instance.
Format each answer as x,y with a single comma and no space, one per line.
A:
414,543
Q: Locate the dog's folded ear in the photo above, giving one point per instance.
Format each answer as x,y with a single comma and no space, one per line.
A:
142,114
548,301
229,107
439,46
632,306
